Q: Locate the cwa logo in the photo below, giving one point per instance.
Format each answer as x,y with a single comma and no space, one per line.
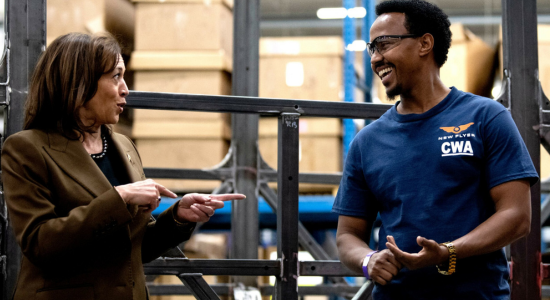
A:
457,148
460,147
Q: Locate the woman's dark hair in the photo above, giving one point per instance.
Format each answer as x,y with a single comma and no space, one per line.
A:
65,78
422,17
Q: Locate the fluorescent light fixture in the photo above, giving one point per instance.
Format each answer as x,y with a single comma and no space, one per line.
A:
357,12
357,45
294,74
341,12
332,13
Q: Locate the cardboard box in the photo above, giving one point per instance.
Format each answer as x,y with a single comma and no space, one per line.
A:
207,245
91,16
203,78
184,25
317,154
544,61
320,148
469,66
308,126
301,68
544,77
174,280
183,153
182,129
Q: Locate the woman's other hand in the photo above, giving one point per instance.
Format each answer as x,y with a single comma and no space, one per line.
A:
200,207
145,194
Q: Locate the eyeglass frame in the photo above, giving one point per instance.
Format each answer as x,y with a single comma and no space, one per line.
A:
404,36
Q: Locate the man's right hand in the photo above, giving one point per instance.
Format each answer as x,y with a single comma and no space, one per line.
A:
383,267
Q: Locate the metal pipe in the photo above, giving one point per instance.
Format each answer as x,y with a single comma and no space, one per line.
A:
521,63
255,105
287,207
244,213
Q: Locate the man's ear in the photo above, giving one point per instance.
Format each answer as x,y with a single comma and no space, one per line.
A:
426,44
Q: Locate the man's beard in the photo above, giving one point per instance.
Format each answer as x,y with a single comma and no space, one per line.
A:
393,93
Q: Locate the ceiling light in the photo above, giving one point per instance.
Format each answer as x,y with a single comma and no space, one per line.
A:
341,12
358,45
357,12
332,13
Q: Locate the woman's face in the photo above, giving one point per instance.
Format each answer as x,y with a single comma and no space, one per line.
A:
109,100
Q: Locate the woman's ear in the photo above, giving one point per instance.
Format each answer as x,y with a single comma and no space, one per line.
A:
426,44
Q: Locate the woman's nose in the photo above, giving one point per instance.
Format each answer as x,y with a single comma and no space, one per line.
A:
124,91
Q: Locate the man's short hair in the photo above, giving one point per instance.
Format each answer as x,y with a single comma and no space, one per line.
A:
422,17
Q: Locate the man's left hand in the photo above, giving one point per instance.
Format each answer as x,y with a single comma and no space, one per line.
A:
431,254
200,207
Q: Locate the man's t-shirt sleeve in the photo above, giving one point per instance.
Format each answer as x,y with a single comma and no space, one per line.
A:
507,157
354,197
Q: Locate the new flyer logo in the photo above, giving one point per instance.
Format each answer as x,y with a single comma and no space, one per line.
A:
459,146
457,129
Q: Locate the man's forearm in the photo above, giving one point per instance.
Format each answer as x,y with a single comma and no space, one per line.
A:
501,229
511,221
350,239
352,251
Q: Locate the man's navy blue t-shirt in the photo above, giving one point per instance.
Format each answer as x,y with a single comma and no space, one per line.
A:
430,175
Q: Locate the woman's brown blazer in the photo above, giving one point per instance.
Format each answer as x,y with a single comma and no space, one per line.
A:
78,237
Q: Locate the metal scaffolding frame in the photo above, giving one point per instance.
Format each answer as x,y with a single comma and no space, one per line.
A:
244,171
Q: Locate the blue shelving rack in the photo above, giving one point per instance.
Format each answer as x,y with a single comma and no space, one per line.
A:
350,80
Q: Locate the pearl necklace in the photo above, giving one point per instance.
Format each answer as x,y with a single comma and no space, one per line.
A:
100,155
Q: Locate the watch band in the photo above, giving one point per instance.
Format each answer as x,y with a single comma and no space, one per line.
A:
365,264
451,268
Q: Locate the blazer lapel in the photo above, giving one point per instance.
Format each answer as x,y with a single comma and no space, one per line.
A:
128,157
71,156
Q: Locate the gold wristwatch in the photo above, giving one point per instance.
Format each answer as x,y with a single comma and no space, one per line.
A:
451,268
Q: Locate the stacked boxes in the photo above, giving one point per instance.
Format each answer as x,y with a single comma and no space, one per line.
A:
304,68
91,16
182,46
301,68
544,71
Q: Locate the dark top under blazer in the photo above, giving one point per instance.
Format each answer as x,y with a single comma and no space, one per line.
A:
79,239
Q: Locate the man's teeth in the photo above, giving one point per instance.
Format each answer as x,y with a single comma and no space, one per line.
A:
384,72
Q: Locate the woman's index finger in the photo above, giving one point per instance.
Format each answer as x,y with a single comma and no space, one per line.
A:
228,197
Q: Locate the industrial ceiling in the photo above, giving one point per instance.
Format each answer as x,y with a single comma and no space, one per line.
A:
299,17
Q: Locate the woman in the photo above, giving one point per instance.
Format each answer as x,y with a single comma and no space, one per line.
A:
76,192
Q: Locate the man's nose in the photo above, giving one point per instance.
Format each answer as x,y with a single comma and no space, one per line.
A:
376,57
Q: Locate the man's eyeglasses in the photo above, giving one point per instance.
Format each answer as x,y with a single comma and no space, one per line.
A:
384,43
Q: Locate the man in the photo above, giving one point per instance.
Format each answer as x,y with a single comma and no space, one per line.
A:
447,172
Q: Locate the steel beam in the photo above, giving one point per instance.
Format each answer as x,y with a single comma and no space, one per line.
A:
178,289
326,268
287,207
521,64
198,286
227,173
230,267
255,105
266,290
304,237
244,214
245,267
26,39
334,178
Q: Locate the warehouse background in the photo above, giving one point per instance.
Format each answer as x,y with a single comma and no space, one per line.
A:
185,46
